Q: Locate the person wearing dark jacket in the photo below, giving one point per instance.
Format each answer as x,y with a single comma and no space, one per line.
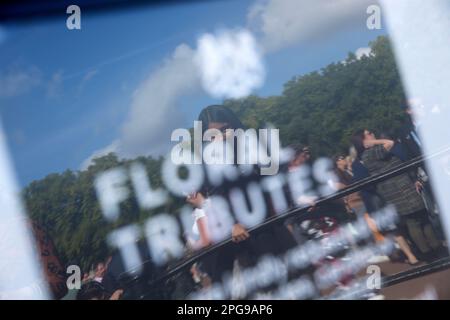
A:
369,193
399,190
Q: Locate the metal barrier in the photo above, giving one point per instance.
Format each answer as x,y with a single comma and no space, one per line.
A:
302,212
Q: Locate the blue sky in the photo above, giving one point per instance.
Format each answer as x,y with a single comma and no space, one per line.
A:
66,94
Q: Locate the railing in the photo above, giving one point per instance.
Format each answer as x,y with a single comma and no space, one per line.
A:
302,212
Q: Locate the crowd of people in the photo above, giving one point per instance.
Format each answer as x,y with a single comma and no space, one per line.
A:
418,234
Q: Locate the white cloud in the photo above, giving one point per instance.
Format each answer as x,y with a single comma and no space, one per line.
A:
230,64
282,23
365,51
153,113
360,52
277,24
18,81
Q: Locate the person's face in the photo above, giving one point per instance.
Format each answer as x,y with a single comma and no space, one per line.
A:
369,135
100,269
222,127
341,163
300,159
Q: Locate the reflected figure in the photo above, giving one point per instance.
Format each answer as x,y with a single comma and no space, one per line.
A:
400,191
246,248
